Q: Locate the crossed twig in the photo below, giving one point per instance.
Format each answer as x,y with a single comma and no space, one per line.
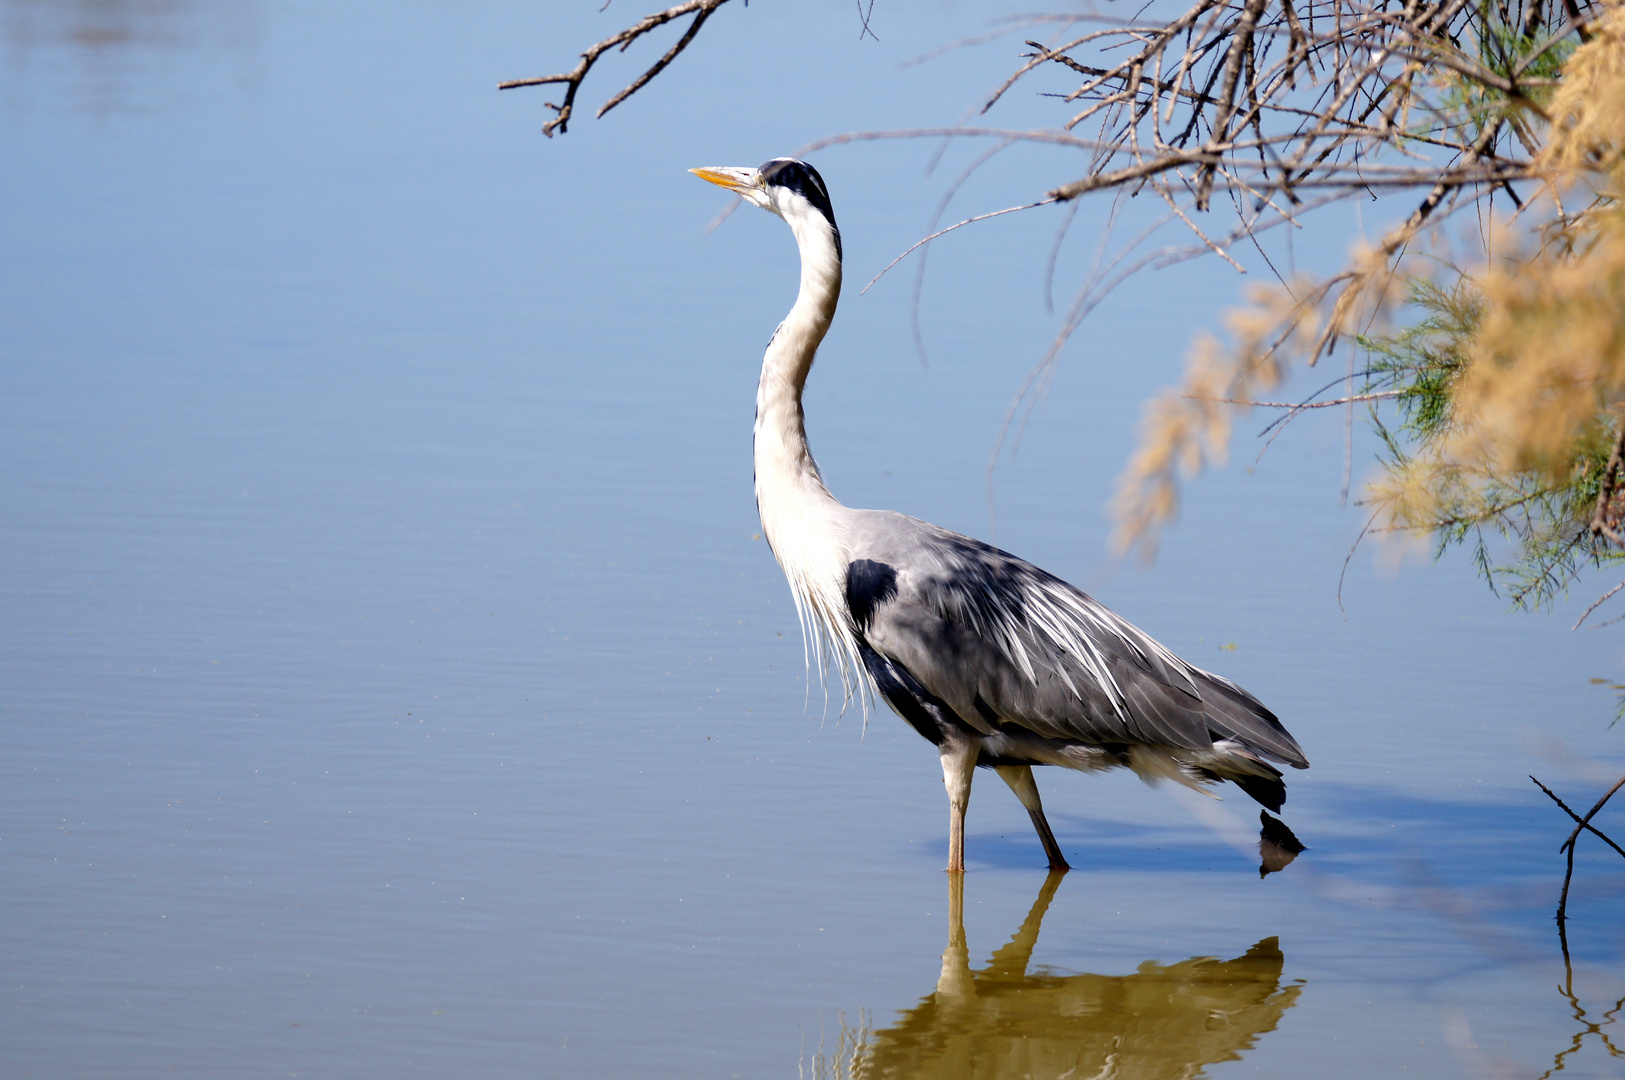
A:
1584,824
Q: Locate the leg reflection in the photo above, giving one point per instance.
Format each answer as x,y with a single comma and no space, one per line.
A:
1006,1020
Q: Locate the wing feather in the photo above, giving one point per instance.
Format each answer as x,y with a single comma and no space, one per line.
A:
971,621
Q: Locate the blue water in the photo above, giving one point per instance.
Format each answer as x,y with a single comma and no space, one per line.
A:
392,681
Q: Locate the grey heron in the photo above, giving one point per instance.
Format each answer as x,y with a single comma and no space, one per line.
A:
998,663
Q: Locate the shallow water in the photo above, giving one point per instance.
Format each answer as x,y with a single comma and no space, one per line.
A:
394,684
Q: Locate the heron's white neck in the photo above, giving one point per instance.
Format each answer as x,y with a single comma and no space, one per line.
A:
788,486
801,519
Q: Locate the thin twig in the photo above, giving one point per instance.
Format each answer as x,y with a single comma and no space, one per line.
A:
1296,406
1568,872
1597,603
1347,558
958,224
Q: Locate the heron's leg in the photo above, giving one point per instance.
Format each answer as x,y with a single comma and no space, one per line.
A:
1020,779
958,765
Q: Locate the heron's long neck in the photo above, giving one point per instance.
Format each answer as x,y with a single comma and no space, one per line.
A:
787,481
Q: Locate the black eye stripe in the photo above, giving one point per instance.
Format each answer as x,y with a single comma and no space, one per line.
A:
801,178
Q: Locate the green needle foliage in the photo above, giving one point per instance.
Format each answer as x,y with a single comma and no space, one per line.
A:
1544,521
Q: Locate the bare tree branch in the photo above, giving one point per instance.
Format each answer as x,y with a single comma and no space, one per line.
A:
572,79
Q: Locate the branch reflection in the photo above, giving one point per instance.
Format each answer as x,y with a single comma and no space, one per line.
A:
1578,1011
1005,1021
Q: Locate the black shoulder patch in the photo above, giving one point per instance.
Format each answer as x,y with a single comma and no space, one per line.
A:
804,180
868,585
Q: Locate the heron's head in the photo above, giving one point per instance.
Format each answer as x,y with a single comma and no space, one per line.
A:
791,189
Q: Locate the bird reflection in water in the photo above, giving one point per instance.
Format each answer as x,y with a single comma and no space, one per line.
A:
1277,846
1164,1020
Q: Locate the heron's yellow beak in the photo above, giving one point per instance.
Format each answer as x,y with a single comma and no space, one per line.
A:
735,180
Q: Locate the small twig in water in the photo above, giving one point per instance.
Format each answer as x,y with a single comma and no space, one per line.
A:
1568,845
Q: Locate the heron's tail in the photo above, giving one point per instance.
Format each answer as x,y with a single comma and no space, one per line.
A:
1268,792
1242,766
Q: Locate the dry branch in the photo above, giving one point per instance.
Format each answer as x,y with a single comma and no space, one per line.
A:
572,79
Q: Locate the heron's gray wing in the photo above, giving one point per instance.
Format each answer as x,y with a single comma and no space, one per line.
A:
1000,641
1233,713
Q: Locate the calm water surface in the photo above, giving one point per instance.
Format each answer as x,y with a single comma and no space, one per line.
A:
392,682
